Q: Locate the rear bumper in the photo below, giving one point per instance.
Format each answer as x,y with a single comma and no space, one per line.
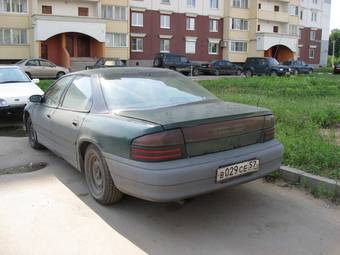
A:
180,179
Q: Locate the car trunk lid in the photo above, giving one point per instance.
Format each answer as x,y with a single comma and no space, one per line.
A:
209,126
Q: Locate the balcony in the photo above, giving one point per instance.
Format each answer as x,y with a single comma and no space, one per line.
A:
265,41
274,16
46,26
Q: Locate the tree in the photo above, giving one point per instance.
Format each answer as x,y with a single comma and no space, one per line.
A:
335,36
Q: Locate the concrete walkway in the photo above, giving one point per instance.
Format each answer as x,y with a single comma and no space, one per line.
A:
50,212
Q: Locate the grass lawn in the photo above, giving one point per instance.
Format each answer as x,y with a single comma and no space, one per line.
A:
307,110
44,84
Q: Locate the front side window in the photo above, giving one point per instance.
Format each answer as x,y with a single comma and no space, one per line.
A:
151,90
53,95
165,21
137,44
137,19
78,96
165,45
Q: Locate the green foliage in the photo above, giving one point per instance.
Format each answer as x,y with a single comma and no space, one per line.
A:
44,84
335,36
303,105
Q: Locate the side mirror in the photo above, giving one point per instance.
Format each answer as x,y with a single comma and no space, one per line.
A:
36,99
36,81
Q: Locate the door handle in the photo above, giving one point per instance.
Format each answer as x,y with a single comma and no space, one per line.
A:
75,123
48,116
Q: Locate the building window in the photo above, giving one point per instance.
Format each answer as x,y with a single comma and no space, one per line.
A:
260,6
276,8
294,10
165,45
83,11
240,4
300,33
213,25
137,44
301,15
314,16
258,27
13,36
275,29
293,30
238,46
137,19
239,24
190,23
46,9
165,2
165,21
191,3
315,1
311,53
214,4
17,6
190,46
120,13
213,48
312,35
117,40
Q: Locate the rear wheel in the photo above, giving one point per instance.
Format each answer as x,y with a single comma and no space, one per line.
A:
310,71
32,136
98,178
60,74
239,72
217,72
249,73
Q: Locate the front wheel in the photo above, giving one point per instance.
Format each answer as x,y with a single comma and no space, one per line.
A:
249,73
98,178
195,72
239,72
32,135
60,74
217,72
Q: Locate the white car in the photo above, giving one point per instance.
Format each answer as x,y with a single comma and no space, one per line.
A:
15,89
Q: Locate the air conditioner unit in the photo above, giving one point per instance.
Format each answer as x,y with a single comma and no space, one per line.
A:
224,44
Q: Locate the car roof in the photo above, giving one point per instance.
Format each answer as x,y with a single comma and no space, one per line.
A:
14,67
124,71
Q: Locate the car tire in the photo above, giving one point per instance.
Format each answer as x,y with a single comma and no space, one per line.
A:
296,72
98,178
172,68
273,73
249,73
29,75
239,72
195,72
32,135
217,72
310,71
60,74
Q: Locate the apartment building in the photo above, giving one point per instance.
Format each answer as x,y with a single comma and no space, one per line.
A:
260,28
314,31
63,31
190,27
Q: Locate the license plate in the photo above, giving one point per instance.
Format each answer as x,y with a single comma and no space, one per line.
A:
231,171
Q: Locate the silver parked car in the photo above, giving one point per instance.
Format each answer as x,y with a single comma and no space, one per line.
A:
41,68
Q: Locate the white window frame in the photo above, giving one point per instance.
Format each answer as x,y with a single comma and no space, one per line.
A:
243,4
3,7
312,35
311,56
239,24
139,44
235,46
191,3
314,16
210,47
213,25
190,45
293,30
114,40
166,42
165,1
165,21
137,19
214,4
109,12
190,23
22,40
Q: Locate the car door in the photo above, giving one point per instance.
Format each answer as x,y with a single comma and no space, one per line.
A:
43,113
48,69
32,67
68,118
262,66
228,67
184,64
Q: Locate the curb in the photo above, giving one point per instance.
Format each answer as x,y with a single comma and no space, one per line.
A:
322,185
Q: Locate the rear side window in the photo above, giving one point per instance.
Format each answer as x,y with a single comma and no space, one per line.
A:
53,95
78,96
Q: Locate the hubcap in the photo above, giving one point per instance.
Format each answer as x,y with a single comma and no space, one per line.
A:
96,176
32,135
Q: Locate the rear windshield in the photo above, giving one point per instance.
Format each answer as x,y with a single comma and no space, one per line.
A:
142,91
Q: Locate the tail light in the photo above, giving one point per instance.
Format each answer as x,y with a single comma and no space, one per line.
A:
162,146
269,128
209,66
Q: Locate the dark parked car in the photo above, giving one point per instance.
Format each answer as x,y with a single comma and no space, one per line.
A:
176,62
336,69
152,134
218,67
265,66
106,63
299,67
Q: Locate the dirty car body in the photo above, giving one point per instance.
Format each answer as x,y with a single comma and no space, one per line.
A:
162,136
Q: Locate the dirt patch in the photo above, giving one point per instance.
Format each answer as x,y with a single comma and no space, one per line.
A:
332,134
27,168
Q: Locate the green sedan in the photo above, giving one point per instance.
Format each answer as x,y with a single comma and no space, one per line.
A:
151,133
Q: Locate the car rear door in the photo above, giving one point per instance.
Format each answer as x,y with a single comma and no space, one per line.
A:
42,113
33,68
69,117
49,70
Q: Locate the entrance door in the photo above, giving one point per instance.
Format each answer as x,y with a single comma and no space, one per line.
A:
44,51
83,46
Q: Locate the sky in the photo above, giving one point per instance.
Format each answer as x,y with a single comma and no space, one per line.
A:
335,19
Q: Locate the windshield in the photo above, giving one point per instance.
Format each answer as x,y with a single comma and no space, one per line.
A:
156,91
8,75
273,61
